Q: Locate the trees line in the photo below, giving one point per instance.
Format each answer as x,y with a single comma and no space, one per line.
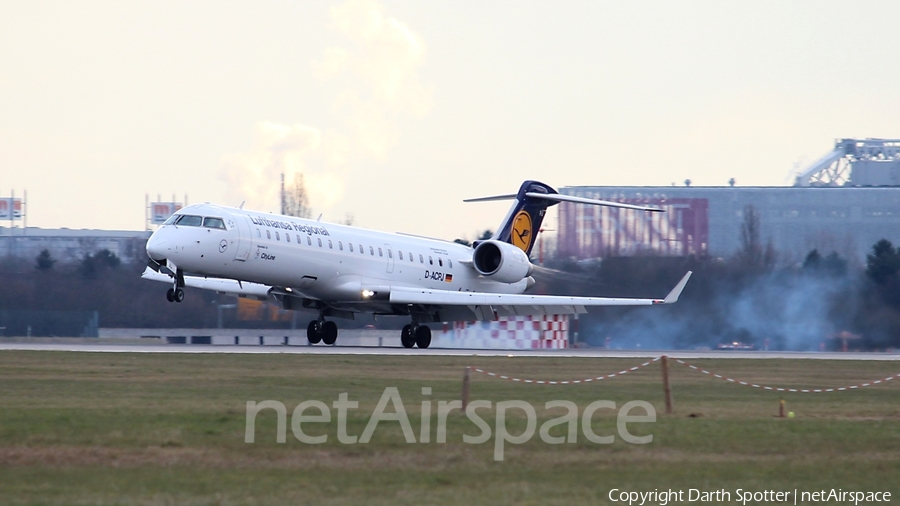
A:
747,297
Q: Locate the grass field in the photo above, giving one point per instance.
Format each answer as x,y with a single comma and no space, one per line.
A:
120,428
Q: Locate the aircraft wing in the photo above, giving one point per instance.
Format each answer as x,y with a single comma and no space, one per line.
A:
220,285
485,306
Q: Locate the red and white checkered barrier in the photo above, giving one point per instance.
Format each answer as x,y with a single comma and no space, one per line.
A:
506,333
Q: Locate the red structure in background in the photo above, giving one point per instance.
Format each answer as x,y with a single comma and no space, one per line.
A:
600,232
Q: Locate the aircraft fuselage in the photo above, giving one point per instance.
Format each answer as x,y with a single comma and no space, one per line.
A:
314,259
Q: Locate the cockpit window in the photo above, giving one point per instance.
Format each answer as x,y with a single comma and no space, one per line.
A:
188,220
172,219
214,223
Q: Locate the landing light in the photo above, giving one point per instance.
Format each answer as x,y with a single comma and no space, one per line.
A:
367,293
288,289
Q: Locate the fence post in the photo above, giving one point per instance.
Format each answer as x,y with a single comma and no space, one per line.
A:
465,389
668,391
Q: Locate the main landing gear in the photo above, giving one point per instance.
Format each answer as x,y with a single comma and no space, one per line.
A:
321,330
415,335
326,332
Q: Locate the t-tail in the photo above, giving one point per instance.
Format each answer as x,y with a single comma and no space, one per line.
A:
523,222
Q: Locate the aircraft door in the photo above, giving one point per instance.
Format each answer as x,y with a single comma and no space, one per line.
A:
245,238
390,258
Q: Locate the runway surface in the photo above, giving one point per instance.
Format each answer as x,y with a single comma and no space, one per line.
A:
396,351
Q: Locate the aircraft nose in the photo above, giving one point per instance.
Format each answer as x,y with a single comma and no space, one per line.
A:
157,247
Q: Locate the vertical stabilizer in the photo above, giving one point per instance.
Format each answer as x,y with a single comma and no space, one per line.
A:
523,222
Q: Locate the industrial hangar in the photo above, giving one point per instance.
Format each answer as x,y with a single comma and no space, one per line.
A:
844,202
70,245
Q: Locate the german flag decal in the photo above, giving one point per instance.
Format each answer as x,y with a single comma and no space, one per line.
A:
448,278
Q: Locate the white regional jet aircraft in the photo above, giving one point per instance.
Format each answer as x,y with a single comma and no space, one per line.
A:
340,271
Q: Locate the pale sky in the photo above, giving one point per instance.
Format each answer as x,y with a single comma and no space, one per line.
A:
396,111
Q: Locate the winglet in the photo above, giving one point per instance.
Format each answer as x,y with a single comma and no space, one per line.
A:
676,292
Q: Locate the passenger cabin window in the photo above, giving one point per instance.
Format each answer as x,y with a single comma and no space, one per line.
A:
390,255
361,250
287,237
268,234
430,261
440,262
421,260
449,263
351,246
188,220
401,254
214,223
410,257
329,244
380,253
277,236
258,234
340,246
309,240
371,251
320,242
298,239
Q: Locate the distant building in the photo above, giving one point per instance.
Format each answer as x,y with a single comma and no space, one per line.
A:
67,245
844,202
708,221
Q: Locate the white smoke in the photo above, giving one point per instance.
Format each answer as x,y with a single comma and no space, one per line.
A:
375,74
791,311
384,57
254,176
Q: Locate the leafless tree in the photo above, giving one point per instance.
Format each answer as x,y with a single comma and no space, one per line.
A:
295,200
751,248
753,254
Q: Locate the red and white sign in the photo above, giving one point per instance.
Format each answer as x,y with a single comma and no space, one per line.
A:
160,211
7,206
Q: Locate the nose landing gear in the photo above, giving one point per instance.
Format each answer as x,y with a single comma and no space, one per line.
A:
176,294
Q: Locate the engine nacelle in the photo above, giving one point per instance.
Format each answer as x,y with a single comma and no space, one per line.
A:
501,262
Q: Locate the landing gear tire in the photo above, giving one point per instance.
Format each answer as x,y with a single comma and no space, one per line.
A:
170,295
313,334
329,333
178,295
423,336
406,337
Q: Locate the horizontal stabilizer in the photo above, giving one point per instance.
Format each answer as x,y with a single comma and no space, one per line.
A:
556,197
579,200
511,196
